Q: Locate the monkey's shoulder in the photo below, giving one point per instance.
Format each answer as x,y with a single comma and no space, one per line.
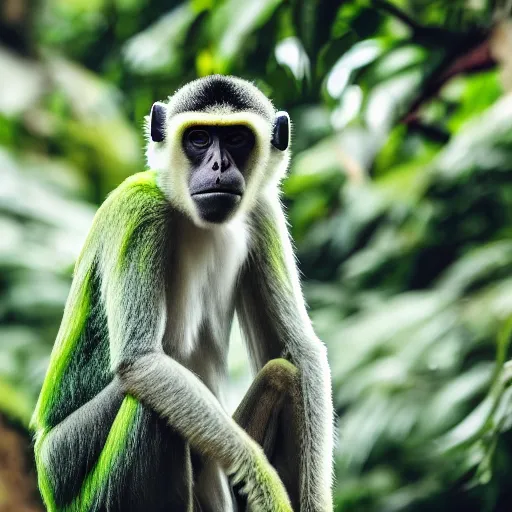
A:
136,191
137,200
136,205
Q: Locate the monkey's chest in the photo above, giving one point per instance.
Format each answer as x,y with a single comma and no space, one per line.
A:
201,296
200,313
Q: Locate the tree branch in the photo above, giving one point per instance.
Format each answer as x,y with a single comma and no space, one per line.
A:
478,58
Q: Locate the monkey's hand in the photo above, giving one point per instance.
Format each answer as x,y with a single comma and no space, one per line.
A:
262,485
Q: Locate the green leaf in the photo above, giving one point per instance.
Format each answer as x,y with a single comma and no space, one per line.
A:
15,404
159,46
231,25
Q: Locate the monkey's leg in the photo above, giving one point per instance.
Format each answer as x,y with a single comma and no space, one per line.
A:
269,413
70,449
139,476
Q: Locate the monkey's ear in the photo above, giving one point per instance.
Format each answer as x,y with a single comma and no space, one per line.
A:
157,122
281,135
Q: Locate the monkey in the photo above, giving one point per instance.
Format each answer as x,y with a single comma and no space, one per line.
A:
130,416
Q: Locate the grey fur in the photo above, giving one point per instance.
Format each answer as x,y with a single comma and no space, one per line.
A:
271,310
168,288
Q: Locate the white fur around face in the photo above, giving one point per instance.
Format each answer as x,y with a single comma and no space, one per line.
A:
265,168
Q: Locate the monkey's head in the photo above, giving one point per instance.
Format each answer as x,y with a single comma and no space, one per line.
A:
218,145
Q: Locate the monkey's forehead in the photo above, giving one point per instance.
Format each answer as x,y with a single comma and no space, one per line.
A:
177,124
220,94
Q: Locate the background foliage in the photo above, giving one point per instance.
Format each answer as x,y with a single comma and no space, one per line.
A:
399,197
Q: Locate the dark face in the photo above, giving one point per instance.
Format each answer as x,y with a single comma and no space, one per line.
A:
218,157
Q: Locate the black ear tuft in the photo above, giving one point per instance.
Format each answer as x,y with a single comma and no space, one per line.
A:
158,122
281,135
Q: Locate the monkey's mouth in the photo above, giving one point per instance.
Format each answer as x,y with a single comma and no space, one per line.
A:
218,191
216,205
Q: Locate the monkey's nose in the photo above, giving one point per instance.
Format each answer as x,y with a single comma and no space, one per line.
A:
225,164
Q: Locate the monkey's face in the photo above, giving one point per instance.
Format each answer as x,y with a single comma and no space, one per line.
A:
219,147
218,158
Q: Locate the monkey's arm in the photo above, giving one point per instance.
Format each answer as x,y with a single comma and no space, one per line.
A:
273,317
134,253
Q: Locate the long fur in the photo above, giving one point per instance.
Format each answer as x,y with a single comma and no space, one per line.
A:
130,415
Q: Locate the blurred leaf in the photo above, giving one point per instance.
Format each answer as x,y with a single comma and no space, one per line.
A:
481,144
160,45
290,53
361,54
14,403
25,84
478,267
389,100
395,61
477,93
232,23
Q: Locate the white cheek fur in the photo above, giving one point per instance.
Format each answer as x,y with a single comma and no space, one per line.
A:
266,166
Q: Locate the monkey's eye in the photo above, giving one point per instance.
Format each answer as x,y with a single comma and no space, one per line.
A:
199,138
237,138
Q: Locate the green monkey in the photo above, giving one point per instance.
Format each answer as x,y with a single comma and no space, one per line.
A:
130,417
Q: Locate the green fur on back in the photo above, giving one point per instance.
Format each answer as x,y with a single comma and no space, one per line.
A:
82,358
75,317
